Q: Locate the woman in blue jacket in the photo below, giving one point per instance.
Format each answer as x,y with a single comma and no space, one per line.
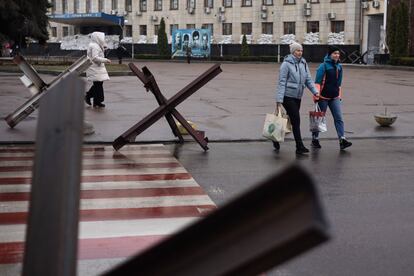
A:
328,81
294,76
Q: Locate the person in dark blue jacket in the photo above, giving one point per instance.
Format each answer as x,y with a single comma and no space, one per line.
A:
294,76
328,81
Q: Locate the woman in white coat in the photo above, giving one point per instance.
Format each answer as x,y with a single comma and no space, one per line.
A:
97,71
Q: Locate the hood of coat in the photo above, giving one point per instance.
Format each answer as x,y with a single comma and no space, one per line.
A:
328,59
99,38
294,60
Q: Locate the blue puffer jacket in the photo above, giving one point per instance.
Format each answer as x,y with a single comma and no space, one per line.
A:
293,77
329,79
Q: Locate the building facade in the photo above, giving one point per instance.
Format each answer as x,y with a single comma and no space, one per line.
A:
373,26
263,21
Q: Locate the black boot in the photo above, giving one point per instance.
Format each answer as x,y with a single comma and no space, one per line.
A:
316,144
343,143
98,105
88,99
300,148
276,145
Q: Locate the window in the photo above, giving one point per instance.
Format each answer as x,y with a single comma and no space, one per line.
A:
158,5
143,5
268,2
64,6
173,27
314,1
246,3
289,28
76,30
128,5
88,6
246,28
227,3
76,6
65,31
143,29
128,30
337,26
312,26
156,29
191,4
289,2
114,4
54,32
337,1
191,26
173,4
267,28
209,3
227,29
208,27
101,5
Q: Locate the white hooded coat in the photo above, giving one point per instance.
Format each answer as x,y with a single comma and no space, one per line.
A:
97,71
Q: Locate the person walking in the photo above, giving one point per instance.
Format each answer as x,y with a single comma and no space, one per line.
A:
97,71
294,76
188,54
328,80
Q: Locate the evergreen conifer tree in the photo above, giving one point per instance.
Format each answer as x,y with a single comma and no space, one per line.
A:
402,30
392,30
20,19
397,30
162,44
245,51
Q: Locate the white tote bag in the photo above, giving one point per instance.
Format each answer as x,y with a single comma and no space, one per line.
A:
275,127
317,120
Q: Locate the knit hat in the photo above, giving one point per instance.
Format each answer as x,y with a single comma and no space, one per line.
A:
332,49
295,46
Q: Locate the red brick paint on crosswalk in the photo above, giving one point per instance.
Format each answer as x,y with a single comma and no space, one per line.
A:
102,178
84,149
102,166
116,245
121,193
122,213
115,156
99,248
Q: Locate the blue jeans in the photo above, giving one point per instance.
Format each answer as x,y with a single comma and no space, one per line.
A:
335,107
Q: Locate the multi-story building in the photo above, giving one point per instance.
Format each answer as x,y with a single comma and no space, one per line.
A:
373,26
227,19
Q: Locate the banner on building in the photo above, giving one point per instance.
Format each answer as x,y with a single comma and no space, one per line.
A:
194,42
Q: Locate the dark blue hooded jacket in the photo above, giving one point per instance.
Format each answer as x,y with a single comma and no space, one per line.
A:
329,78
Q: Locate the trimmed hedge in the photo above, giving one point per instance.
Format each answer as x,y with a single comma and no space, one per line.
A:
402,61
248,58
216,58
143,56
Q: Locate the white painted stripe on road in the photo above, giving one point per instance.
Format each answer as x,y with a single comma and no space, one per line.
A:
126,147
101,172
24,188
96,267
94,153
13,163
85,267
108,229
120,203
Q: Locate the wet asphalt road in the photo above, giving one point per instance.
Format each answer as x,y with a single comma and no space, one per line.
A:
367,191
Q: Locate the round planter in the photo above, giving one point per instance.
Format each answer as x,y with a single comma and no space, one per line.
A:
385,119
